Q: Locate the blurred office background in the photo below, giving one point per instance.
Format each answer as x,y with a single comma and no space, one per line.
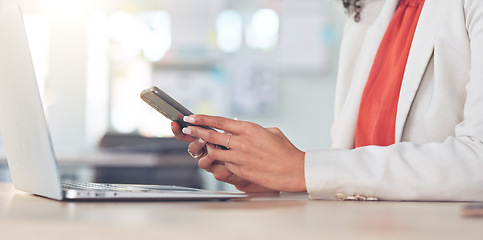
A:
268,61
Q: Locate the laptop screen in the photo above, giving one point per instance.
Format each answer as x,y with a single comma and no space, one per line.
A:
22,123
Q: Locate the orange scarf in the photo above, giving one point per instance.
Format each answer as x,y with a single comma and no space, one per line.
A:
377,114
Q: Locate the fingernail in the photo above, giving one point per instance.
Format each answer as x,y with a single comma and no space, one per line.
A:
201,140
186,131
172,125
189,119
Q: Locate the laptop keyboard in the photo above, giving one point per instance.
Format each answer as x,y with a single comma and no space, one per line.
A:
124,187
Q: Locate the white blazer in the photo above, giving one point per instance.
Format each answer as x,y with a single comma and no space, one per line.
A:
438,154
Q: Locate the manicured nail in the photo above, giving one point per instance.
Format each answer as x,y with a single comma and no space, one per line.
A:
172,125
189,119
201,140
186,131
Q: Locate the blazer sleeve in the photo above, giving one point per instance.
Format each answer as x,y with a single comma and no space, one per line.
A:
449,170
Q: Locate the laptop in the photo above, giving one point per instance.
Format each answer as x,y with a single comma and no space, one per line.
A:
30,155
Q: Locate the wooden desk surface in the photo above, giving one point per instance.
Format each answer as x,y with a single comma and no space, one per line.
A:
23,216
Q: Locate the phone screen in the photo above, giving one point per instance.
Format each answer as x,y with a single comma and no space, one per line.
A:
166,105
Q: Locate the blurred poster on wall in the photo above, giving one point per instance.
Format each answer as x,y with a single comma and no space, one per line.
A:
255,86
306,44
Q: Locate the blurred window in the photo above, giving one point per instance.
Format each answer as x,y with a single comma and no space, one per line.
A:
229,30
150,32
263,30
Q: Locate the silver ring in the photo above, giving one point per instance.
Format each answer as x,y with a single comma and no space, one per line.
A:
196,156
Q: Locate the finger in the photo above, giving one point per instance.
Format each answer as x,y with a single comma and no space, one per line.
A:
235,169
197,147
221,173
214,137
206,163
178,134
221,123
222,156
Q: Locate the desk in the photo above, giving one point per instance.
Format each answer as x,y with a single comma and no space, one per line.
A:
23,216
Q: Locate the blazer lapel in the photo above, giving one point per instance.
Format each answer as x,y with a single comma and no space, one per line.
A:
343,135
418,59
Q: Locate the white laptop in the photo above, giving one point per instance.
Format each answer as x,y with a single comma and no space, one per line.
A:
26,138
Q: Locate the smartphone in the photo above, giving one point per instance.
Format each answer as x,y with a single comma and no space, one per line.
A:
169,107
166,105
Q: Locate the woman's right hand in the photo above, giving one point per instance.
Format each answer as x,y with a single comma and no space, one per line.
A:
197,147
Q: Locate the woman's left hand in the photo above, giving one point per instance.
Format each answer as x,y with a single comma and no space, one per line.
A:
260,155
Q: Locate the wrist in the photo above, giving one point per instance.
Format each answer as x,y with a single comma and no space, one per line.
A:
299,180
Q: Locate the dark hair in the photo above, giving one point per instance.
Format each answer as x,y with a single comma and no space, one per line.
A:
353,6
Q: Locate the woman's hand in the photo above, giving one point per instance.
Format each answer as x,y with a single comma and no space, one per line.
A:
197,147
261,156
